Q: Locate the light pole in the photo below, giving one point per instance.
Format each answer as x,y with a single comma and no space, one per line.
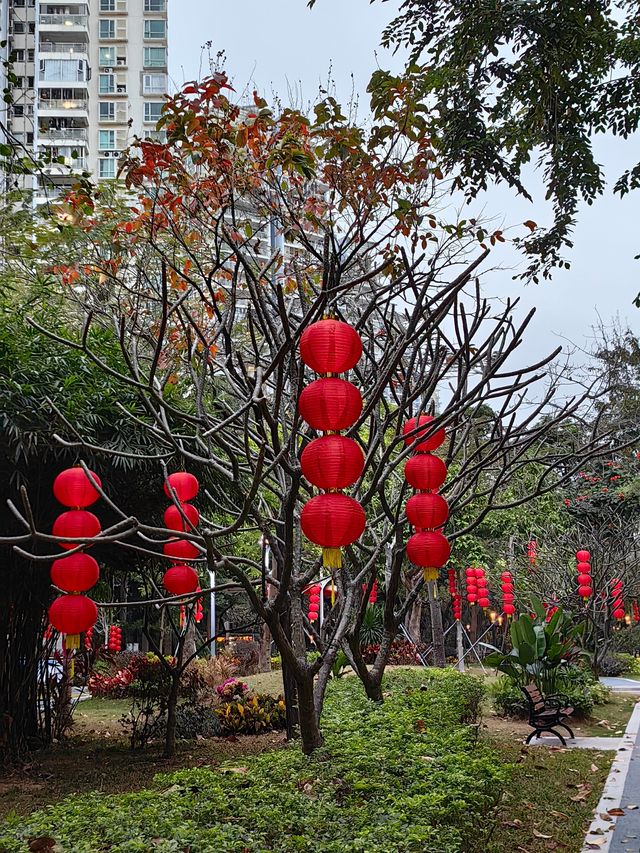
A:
212,612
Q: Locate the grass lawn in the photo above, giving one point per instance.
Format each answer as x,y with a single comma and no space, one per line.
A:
549,802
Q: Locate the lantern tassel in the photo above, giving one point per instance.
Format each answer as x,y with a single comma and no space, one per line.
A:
72,641
332,558
430,574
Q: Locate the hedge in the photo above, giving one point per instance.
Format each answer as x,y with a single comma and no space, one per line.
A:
404,776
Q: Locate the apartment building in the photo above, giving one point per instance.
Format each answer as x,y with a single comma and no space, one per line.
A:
91,75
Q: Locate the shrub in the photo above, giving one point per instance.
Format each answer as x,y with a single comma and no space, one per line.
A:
252,715
611,665
405,776
276,662
403,653
196,721
231,689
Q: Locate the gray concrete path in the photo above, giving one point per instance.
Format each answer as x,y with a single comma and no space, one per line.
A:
601,743
616,824
621,685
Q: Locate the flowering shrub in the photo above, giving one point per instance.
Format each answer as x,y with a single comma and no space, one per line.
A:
232,689
403,653
110,687
252,715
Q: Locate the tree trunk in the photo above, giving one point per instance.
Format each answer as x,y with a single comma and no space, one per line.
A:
371,679
310,733
190,638
437,632
172,706
264,654
413,621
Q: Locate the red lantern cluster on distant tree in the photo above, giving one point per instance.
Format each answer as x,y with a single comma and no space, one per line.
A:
483,591
471,584
182,517
585,584
508,597
114,639
427,511
73,613
332,462
313,603
618,603
456,598
532,552
636,611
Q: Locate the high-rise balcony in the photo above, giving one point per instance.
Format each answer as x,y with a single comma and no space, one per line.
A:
63,136
70,49
65,26
73,108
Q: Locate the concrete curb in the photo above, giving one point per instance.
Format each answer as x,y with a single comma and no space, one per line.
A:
613,789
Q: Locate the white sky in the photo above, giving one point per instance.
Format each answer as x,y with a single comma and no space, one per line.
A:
280,46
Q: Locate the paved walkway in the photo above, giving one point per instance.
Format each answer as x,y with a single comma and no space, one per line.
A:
621,685
616,825
601,743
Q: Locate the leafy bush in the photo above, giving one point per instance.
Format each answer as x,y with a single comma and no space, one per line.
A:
231,689
252,715
627,641
403,653
611,665
276,662
194,721
405,776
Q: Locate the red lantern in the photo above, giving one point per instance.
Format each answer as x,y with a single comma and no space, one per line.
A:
330,346
583,567
332,462
508,597
180,580
313,615
509,609
583,556
314,599
75,573
184,485
76,524
73,488
427,510
180,549
584,579
332,520
506,576
484,602
430,550
425,472
173,517
73,614
585,591
432,443
330,405
619,613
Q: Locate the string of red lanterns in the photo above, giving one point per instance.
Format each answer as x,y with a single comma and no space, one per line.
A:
618,603
114,638
426,510
585,584
456,598
313,604
471,585
636,611
532,552
483,591
332,462
181,579
508,596
73,614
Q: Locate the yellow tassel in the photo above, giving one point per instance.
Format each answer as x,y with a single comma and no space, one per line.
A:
72,641
430,574
332,558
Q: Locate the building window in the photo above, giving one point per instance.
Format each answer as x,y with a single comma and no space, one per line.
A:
156,135
32,28
154,84
152,111
107,111
107,84
107,5
19,83
106,140
31,53
18,110
18,27
154,5
17,55
29,82
155,29
106,168
107,56
107,28
155,57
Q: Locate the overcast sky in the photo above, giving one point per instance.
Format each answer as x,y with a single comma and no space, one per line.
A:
281,46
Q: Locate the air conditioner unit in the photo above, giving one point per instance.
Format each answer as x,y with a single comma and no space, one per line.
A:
115,153
122,90
108,70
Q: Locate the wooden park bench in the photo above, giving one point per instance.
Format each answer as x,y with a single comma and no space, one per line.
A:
545,712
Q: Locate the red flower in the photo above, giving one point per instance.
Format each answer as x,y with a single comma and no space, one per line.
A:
566,502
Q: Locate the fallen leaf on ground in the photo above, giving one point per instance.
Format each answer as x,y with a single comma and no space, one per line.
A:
541,834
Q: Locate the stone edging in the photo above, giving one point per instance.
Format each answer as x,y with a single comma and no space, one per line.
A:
613,788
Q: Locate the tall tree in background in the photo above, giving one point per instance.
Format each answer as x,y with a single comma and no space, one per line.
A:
508,83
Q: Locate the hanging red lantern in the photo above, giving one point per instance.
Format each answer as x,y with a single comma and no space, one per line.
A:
185,486
425,472
72,615
174,517
332,462
330,405
583,556
76,524
73,488
180,549
532,552
314,599
619,613
75,573
332,520
584,579
180,580
429,550
330,346
508,597
313,616
509,609
433,442
427,510
585,591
